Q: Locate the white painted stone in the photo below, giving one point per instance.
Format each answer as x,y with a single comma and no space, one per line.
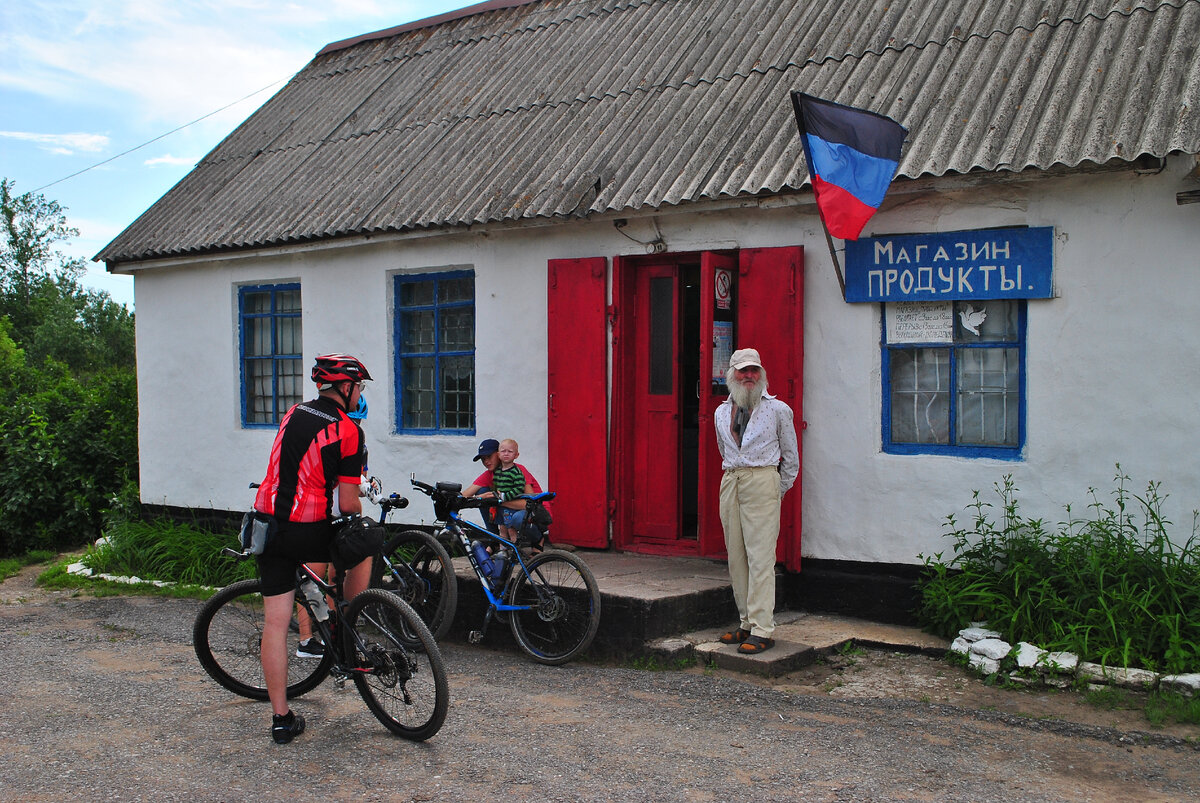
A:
1059,662
987,666
960,645
1028,655
992,648
977,633
1188,685
1127,677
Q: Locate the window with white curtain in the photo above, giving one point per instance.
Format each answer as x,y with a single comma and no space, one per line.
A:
953,377
271,336
435,353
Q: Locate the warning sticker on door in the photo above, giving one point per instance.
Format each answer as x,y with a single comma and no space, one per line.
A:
724,288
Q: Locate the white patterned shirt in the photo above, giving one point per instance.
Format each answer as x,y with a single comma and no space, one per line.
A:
769,440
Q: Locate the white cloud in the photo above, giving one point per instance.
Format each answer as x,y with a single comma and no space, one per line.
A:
67,144
171,161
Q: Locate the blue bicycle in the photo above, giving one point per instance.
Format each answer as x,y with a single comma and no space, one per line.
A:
550,598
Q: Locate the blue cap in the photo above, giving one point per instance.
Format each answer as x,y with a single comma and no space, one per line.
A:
489,446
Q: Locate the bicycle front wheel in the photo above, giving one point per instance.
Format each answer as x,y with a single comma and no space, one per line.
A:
422,575
397,667
227,637
563,611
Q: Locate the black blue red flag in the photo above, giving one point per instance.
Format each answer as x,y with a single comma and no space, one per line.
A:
852,156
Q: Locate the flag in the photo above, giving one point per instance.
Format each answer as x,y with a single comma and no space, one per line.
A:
852,156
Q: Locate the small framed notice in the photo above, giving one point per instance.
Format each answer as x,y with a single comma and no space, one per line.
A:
722,349
920,321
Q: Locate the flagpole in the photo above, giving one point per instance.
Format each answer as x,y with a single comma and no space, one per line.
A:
837,268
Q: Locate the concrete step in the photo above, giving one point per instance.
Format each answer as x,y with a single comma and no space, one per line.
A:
676,608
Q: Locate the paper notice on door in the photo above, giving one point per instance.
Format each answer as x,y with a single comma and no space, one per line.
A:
722,349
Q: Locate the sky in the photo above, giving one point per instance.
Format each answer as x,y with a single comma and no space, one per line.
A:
106,104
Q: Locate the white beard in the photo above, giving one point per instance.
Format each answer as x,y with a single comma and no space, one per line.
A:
747,398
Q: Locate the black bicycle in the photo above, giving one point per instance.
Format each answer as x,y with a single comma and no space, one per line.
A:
376,639
417,568
550,598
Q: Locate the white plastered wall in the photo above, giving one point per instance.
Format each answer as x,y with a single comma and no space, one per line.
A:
1111,368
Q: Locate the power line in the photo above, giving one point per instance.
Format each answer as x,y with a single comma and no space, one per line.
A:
160,136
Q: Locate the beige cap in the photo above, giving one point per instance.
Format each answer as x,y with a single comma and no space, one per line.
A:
743,358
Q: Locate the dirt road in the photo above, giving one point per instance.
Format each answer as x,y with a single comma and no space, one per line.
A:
103,700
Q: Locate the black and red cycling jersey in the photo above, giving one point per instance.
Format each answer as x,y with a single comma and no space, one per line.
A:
317,447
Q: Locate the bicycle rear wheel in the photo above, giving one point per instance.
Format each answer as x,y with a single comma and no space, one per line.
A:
227,636
564,607
404,686
423,576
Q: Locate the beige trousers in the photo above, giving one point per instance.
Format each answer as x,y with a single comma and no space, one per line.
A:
750,516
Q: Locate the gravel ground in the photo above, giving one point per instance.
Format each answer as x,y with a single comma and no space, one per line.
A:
106,701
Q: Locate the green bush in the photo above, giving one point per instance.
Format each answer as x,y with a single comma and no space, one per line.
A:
70,447
164,550
1112,588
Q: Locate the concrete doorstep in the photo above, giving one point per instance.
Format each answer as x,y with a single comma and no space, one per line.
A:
677,608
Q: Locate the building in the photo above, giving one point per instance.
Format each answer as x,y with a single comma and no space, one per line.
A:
552,220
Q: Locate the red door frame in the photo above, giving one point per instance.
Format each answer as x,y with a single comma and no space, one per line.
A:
770,307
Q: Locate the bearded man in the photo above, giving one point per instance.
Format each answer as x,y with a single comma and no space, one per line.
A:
761,459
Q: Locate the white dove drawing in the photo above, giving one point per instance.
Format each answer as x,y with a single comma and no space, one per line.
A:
972,319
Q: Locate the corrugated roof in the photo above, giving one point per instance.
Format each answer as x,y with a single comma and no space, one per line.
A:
576,107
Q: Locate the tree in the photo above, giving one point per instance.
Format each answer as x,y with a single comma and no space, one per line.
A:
68,392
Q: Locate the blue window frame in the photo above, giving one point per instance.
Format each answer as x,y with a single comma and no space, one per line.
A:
435,353
962,393
271,337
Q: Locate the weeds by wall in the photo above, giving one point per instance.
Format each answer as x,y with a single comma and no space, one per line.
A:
1111,587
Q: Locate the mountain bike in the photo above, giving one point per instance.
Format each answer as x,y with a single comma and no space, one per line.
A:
376,639
416,567
550,598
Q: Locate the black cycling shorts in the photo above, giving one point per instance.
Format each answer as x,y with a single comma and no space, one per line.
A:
292,544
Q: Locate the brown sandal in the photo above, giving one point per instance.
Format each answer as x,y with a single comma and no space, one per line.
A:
756,644
735,636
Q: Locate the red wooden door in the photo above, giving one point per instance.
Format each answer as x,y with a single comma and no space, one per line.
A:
576,373
770,319
655,488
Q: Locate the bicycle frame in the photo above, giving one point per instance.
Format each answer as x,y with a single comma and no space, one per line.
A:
462,530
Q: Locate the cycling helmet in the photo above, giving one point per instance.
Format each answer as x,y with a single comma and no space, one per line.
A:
331,368
359,413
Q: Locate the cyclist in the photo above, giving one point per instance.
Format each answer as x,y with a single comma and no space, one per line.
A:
310,647
317,458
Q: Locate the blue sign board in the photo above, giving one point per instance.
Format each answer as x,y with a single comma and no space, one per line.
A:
952,266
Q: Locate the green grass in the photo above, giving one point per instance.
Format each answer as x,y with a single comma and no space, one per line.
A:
10,566
182,554
1113,588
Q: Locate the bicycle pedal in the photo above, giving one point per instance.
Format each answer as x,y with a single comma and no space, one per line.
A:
475,636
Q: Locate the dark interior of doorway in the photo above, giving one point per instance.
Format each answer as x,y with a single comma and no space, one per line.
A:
689,385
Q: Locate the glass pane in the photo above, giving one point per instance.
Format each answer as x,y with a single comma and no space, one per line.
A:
258,392
461,289
256,303
920,401
290,384
458,392
258,337
416,331
985,321
988,397
416,293
287,336
417,391
662,336
458,329
287,301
